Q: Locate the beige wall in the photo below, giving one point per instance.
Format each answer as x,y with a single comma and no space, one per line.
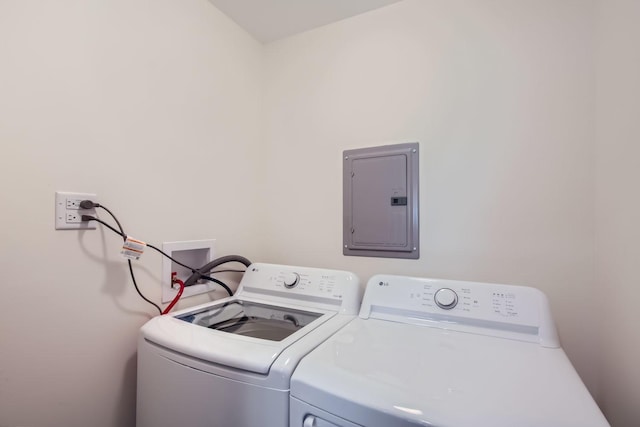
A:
153,105
618,206
519,107
500,96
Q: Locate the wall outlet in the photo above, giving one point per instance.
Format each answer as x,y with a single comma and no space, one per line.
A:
74,203
73,218
68,212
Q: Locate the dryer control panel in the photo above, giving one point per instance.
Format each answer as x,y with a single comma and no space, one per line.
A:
509,311
316,287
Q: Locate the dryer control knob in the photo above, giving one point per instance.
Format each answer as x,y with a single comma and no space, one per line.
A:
291,280
446,298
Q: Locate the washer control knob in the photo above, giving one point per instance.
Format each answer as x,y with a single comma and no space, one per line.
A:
446,298
291,280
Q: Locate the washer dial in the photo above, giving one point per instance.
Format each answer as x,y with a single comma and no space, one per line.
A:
446,298
291,280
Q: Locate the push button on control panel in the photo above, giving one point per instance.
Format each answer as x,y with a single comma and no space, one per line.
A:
446,298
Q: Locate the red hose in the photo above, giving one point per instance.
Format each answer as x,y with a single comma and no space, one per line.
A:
174,279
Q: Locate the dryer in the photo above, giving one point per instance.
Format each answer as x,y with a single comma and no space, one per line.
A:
229,363
441,353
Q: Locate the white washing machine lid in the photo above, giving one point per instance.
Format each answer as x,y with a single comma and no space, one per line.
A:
379,373
241,317
276,308
224,347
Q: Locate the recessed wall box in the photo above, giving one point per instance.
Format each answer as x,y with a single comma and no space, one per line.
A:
380,201
194,253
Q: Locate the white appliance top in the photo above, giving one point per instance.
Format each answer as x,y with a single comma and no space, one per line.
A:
419,357
275,307
515,312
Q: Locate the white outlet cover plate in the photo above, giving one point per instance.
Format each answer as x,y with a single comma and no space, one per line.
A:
61,211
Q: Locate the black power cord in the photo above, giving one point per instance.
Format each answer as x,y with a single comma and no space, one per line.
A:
213,264
200,274
124,236
195,273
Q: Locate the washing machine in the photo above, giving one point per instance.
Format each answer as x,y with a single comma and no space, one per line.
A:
440,353
229,363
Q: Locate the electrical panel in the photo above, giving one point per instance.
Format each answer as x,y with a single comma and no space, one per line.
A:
380,201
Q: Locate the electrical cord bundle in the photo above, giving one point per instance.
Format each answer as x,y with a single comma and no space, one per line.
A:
196,274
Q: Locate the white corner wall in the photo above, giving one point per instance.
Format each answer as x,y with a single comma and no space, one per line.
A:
618,206
500,95
156,107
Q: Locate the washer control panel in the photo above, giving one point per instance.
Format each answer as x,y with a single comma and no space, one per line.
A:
331,288
325,284
453,304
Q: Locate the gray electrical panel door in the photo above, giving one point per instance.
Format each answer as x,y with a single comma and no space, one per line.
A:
381,201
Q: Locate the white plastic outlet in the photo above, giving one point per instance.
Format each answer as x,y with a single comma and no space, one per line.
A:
74,203
68,212
73,218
